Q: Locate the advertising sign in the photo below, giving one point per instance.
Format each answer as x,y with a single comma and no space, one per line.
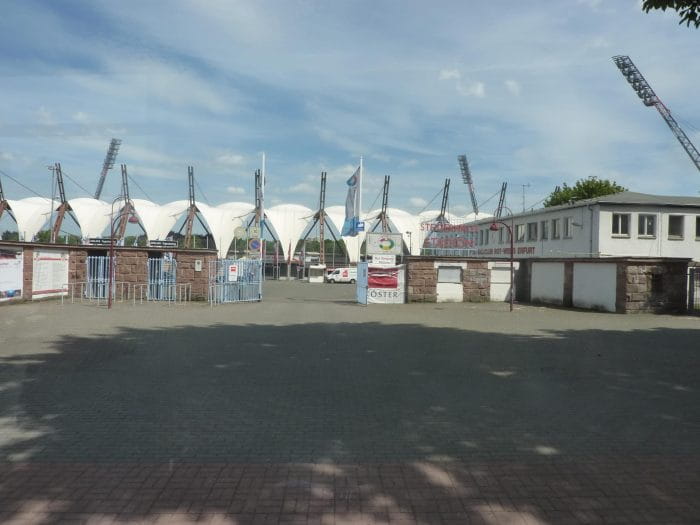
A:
441,238
232,273
384,244
10,274
50,273
386,284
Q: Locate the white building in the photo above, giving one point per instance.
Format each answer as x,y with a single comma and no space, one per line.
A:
625,224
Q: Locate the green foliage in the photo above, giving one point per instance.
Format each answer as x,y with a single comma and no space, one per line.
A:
583,189
9,235
688,10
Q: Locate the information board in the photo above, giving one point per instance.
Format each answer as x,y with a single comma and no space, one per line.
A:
232,273
50,273
10,274
384,243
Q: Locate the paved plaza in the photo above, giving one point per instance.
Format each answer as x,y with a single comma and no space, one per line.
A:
308,408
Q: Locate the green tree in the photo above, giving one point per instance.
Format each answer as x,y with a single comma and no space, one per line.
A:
688,10
583,189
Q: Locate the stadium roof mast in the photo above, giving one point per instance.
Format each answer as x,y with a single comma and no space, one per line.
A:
467,179
501,200
3,202
63,207
445,199
191,209
128,208
108,164
644,91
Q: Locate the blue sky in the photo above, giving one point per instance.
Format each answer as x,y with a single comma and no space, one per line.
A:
527,90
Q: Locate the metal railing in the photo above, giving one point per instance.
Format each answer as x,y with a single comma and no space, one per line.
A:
88,292
168,293
235,281
162,278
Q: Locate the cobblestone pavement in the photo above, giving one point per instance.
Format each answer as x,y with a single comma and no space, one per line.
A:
307,408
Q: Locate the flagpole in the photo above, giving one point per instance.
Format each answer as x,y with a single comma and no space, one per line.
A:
359,213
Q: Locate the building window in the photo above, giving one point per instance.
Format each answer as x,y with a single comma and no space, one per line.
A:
556,227
545,231
697,228
481,237
500,235
486,236
647,225
531,231
519,232
621,224
568,233
675,226
449,274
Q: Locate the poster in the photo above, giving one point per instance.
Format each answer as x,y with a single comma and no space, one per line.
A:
232,273
10,274
384,244
50,273
386,284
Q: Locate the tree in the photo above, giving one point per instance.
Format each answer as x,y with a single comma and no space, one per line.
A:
583,189
688,10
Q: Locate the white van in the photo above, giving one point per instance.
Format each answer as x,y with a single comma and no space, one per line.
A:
342,275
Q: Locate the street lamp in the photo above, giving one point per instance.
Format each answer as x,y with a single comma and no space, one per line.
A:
110,263
494,227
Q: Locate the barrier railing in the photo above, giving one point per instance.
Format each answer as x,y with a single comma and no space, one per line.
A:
87,292
167,293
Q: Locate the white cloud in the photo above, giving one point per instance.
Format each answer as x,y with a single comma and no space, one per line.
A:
304,187
513,87
230,159
472,89
80,117
236,190
418,202
449,74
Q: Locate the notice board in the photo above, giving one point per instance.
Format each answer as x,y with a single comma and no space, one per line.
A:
50,273
10,274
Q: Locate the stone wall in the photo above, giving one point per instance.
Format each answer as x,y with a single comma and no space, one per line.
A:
186,272
422,275
27,273
657,288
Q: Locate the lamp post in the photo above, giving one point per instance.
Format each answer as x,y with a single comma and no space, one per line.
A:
410,243
494,227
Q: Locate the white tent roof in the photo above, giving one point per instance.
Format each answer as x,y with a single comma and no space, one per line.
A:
406,222
289,222
470,217
31,214
168,216
222,224
92,214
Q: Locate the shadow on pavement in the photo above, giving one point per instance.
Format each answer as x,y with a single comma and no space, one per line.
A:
358,422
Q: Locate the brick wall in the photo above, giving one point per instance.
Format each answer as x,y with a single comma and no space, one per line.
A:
658,288
27,273
186,272
422,275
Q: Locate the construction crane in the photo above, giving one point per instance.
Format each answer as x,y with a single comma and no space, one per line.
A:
467,179
649,98
501,200
107,164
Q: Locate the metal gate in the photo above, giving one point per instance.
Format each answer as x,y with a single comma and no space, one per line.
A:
235,281
97,283
694,290
162,279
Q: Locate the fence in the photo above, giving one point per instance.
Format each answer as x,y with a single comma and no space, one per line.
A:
97,284
694,290
162,279
235,281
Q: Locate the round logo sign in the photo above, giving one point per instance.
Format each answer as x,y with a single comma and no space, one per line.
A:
254,244
386,244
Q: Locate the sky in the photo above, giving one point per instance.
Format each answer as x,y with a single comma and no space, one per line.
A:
526,90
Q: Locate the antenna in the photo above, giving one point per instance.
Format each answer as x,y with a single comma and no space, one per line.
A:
649,98
467,179
107,165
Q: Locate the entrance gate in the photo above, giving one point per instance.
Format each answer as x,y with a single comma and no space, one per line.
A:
235,281
694,290
162,279
97,285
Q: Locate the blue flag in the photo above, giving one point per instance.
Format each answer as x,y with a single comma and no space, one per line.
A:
352,213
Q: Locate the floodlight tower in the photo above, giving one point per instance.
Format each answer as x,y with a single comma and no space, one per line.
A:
649,98
467,179
108,164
